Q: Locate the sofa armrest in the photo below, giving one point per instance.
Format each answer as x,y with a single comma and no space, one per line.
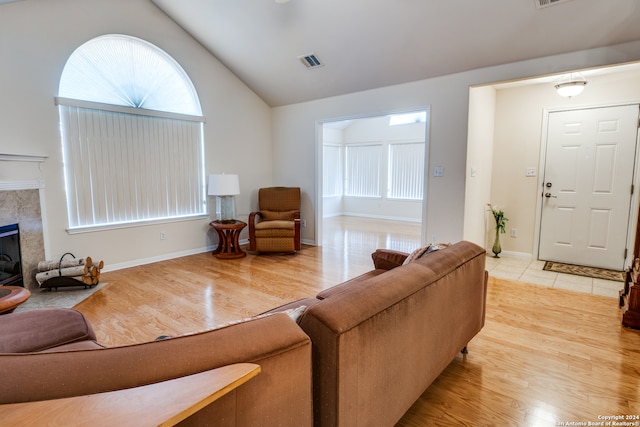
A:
253,217
386,259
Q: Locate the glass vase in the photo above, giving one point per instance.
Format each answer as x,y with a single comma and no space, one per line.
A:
496,249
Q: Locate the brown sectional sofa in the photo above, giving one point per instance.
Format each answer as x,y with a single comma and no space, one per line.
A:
378,341
279,396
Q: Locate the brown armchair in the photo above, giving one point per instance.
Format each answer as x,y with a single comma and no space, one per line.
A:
276,226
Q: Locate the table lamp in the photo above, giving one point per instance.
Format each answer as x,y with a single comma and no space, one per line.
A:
224,187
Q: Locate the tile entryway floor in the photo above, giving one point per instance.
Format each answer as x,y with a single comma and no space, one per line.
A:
531,271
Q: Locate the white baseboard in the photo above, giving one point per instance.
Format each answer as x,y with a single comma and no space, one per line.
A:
164,257
512,254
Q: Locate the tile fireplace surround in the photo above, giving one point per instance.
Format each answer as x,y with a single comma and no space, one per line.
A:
22,207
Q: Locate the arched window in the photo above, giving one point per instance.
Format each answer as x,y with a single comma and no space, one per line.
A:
132,135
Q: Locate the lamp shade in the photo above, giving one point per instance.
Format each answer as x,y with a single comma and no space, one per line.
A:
223,185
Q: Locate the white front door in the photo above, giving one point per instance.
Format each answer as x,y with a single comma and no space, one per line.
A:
586,194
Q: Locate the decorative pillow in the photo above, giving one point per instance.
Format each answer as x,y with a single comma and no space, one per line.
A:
296,313
432,247
387,259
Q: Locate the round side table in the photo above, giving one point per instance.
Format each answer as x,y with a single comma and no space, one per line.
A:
228,235
11,297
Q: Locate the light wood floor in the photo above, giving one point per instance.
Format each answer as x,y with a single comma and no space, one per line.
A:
545,355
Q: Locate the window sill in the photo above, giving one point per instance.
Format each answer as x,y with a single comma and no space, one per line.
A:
106,227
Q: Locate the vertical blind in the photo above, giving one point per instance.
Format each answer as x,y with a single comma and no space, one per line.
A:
406,171
363,164
364,175
125,167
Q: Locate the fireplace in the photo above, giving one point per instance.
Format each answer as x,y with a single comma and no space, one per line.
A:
10,260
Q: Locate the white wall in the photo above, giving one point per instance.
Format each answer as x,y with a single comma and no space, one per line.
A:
332,205
37,37
479,164
294,131
519,115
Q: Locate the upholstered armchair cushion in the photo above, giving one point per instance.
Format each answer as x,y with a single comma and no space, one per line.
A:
276,226
278,215
275,229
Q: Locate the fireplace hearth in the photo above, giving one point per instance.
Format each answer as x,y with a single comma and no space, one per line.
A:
10,257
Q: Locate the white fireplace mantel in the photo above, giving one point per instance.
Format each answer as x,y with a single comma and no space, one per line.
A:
20,177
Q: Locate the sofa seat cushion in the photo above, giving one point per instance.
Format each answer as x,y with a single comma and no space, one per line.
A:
334,290
37,330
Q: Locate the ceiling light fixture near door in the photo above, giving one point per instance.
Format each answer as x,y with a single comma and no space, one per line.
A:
310,61
571,85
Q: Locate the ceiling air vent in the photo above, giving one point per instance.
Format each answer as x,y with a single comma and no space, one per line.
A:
310,61
546,3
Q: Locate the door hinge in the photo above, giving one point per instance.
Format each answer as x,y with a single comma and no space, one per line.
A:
633,187
626,251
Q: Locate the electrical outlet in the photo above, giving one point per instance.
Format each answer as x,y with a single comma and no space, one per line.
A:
514,232
438,171
531,172
163,235
303,222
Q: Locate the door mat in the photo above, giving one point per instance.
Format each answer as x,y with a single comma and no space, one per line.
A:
580,270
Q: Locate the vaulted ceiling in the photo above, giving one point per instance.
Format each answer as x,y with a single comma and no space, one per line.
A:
365,44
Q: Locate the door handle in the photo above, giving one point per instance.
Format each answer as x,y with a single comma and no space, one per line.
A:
548,195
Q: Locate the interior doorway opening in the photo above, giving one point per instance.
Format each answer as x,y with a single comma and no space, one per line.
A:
505,161
373,168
